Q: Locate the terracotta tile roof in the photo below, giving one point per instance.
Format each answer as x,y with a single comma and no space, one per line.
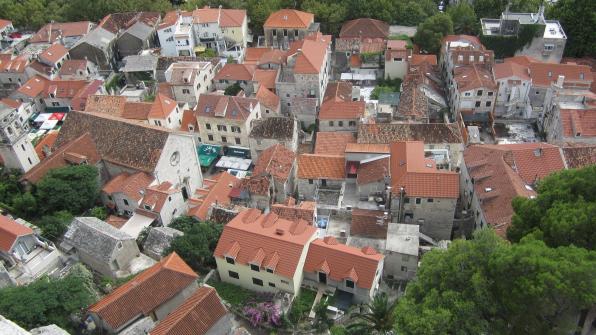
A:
427,132
265,78
118,106
267,98
82,146
189,119
342,262
71,66
364,28
5,23
112,139
419,176
145,292
196,316
291,211
13,65
579,155
116,22
418,59
338,91
333,143
156,195
53,54
171,18
276,161
52,31
10,230
162,107
373,171
413,103
369,223
132,185
214,191
282,241
342,110
543,74
65,88
11,102
233,108
310,56
474,76
510,69
578,122
236,72
274,56
502,172
289,18
316,166
253,55
116,221
165,89
521,60
232,17
34,87
46,142
254,185
368,148
79,100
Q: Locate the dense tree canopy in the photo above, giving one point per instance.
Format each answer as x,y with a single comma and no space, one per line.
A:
464,19
578,18
49,301
198,243
431,32
71,188
488,286
563,213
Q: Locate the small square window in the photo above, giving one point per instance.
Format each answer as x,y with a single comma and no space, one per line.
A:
208,126
269,270
340,123
254,267
224,139
488,103
230,260
233,274
210,137
271,284
418,200
477,103
330,123
237,140
406,200
349,283
257,281
430,200
404,269
285,282
490,94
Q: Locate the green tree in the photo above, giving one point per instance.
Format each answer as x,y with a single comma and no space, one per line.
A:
99,212
24,205
259,11
578,20
489,8
381,89
184,223
197,245
431,32
53,226
488,286
71,188
330,14
233,89
563,213
49,301
377,317
464,19
322,320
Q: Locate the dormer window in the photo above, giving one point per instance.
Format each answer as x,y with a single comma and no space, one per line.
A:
230,260
255,268
147,207
269,270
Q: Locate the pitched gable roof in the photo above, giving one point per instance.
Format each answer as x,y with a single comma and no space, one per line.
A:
373,171
315,166
289,210
310,55
276,161
273,128
543,74
196,316
472,77
95,237
113,140
53,54
10,230
333,143
282,241
236,72
145,292
162,107
384,133
52,31
224,106
578,122
216,190
364,28
365,222
267,98
130,184
343,262
289,18
418,175
511,69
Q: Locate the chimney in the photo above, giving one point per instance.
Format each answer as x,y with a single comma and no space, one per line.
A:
560,80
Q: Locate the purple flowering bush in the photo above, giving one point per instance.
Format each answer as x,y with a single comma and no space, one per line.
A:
263,313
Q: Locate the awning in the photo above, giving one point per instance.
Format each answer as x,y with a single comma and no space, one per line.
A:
43,117
200,48
228,162
57,116
208,153
49,124
240,152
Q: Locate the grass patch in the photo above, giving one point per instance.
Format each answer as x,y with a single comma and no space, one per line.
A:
301,305
233,294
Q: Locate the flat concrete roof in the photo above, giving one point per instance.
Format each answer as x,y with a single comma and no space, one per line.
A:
403,238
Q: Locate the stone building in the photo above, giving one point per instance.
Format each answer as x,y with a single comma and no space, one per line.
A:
273,130
286,26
